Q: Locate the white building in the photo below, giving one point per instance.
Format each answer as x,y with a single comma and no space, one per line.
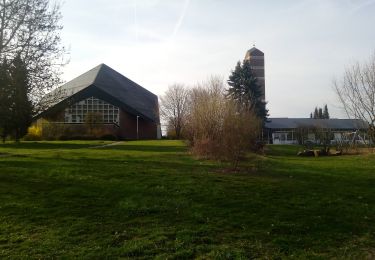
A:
299,130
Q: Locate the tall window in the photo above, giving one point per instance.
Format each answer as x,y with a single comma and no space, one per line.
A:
77,112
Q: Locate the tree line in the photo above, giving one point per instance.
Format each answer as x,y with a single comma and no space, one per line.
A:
320,113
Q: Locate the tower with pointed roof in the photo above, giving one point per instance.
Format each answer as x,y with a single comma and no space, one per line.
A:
256,59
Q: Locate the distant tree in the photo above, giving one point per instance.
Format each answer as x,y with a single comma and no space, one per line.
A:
174,107
316,113
356,92
244,88
320,113
21,106
325,112
5,101
30,29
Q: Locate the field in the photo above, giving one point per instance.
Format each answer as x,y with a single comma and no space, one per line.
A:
152,199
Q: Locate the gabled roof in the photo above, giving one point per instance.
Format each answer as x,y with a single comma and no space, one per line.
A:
255,52
292,123
129,95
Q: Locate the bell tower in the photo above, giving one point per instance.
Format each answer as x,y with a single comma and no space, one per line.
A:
256,59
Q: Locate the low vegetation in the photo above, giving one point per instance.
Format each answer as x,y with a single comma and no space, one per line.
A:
151,199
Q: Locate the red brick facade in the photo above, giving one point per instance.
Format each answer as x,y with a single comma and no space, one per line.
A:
128,127
126,130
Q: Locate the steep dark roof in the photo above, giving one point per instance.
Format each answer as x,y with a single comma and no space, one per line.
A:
255,52
291,123
128,94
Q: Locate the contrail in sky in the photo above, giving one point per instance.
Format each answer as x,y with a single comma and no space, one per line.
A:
180,19
135,20
363,4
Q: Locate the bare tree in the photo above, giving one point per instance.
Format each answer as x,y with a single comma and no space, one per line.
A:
174,106
241,128
356,91
30,28
219,127
206,110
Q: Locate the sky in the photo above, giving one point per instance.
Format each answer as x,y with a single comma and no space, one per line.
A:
156,43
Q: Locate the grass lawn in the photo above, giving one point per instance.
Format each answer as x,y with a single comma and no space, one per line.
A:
151,199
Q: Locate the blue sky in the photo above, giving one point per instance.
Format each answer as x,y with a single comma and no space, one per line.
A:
307,43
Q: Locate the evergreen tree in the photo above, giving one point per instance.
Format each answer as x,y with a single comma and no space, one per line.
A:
325,112
5,94
316,113
320,113
20,104
243,88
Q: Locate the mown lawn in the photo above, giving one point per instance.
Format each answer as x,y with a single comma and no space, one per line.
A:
151,199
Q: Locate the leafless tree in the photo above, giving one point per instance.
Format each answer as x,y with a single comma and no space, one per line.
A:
31,28
356,91
174,105
217,126
206,109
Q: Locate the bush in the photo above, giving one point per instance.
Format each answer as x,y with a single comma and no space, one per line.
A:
219,128
60,131
34,133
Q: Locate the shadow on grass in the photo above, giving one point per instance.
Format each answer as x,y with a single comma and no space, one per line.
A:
147,148
124,147
49,145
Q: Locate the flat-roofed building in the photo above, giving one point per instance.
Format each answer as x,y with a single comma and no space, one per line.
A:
298,130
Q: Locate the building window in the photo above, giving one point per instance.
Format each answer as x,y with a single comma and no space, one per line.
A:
103,111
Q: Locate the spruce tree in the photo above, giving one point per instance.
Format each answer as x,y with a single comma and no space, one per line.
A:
244,89
21,106
5,94
325,112
316,113
320,113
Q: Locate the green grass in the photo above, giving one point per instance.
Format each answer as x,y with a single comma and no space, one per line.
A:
151,199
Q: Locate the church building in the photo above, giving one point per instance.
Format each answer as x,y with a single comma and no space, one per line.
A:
103,100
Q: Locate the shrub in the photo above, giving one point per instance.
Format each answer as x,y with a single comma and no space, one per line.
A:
52,131
219,128
59,131
34,133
